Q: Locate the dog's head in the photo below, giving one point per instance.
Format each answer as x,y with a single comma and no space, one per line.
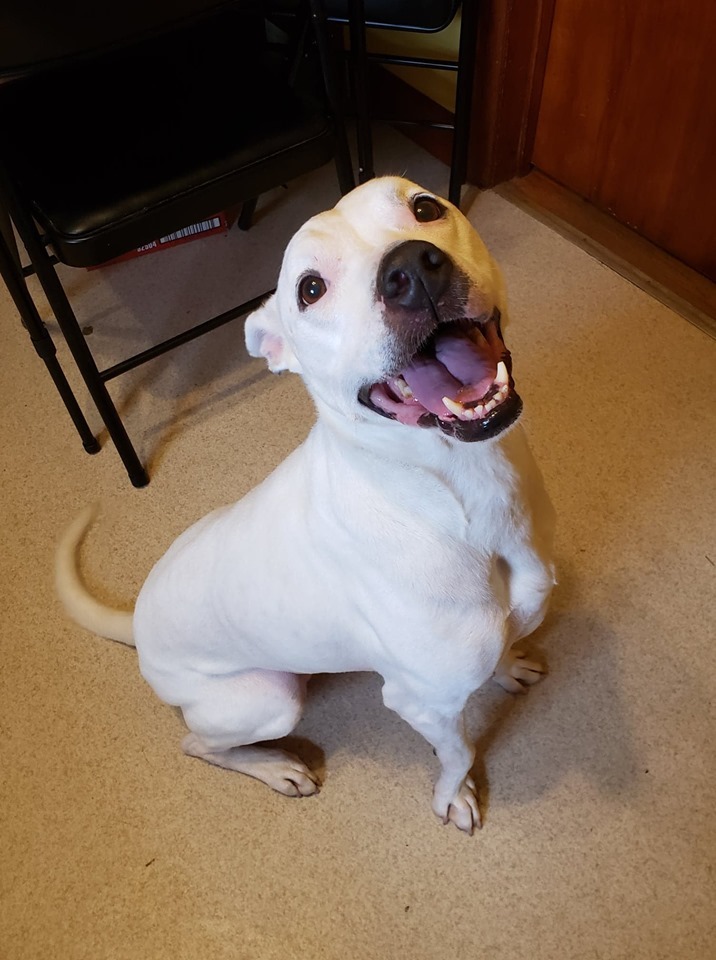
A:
387,305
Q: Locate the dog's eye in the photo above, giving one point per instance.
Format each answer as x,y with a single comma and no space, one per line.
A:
311,289
427,209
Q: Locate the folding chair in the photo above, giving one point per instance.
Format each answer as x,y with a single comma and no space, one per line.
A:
121,124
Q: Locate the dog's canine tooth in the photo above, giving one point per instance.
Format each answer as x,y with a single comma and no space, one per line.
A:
460,411
502,377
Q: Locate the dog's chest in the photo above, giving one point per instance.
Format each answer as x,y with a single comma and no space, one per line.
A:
481,497
489,506
435,527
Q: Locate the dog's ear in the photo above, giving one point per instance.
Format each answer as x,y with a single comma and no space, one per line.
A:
265,338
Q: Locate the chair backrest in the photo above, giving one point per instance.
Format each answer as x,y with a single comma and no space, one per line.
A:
38,33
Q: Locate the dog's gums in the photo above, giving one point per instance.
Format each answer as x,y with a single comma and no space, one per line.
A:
460,380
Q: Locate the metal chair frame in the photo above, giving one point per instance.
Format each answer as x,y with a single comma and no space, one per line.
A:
464,66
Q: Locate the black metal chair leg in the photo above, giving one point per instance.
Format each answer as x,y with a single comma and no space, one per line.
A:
344,164
42,342
463,100
81,353
90,374
359,63
8,235
248,207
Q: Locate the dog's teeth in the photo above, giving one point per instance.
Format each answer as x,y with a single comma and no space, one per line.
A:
459,410
502,377
401,384
454,406
480,410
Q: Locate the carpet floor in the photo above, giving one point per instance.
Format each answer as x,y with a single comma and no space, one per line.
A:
597,789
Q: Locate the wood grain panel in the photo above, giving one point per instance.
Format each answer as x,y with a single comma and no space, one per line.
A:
512,39
628,117
623,250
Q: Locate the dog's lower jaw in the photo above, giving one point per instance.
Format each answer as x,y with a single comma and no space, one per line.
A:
467,431
495,423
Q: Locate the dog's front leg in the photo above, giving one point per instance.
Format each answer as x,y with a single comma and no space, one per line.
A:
443,726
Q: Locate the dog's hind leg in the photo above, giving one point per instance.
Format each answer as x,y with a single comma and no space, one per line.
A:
443,726
230,716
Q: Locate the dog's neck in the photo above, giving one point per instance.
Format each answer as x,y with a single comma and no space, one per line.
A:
453,483
384,444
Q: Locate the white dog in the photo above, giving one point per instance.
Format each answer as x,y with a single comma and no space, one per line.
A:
410,534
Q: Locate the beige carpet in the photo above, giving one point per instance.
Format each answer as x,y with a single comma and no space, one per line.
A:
597,789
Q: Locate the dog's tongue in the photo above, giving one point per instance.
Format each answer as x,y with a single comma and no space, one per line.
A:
463,369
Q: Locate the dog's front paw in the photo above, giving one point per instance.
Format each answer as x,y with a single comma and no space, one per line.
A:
462,809
515,672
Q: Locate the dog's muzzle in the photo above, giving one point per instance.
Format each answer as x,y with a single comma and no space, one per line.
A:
458,372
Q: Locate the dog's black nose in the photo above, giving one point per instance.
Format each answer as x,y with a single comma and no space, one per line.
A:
415,274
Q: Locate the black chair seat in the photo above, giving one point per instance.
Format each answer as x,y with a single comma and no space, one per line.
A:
140,165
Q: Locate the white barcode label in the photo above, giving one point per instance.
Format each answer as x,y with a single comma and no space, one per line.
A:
192,230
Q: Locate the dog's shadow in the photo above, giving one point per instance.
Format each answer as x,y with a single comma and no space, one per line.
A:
345,722
526,746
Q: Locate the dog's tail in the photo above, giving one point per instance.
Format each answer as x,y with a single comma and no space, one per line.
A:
76,598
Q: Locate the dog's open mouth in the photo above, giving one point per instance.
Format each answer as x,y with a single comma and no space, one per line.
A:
460,380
